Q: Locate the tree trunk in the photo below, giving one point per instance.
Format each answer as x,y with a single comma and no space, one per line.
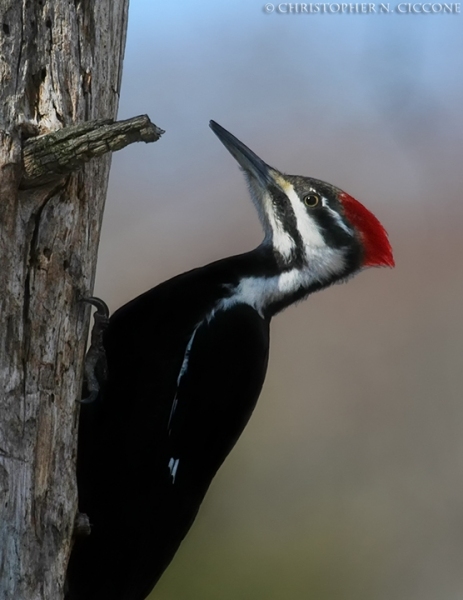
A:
60,65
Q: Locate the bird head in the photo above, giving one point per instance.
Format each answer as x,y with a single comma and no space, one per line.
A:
311,227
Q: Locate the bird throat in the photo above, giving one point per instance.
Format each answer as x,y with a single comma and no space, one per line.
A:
268,295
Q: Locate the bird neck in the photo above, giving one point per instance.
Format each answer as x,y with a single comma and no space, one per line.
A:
259,280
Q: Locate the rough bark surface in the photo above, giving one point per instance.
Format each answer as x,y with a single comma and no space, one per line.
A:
60,64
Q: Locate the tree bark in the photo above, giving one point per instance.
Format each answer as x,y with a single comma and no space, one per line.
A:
60,65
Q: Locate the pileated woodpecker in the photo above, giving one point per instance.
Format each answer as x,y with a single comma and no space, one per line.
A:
186,363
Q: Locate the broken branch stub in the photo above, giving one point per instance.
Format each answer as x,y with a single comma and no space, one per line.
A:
53,155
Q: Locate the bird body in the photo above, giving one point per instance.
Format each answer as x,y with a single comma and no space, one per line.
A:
186,364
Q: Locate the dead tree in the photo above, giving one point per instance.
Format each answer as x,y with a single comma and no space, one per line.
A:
60,74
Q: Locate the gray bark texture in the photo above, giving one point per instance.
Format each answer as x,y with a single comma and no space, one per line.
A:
60,66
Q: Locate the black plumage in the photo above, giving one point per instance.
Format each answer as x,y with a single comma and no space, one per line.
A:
186,364
134,436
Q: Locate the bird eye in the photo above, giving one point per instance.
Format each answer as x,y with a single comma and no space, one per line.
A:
311,200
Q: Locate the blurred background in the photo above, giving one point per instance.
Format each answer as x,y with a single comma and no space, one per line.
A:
348,482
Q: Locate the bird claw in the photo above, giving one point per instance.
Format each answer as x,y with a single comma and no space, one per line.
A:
95,366
91,397
99,304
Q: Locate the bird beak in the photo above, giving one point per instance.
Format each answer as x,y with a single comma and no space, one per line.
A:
246,158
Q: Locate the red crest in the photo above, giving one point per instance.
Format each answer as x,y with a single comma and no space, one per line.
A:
378,251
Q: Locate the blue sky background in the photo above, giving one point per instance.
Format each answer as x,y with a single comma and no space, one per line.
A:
347,482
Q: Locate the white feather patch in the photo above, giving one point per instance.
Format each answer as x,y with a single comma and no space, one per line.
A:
337,217
173,466
275,233
282,242
260,292
183,370
186,356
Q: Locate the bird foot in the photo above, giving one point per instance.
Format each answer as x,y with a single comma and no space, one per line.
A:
95,366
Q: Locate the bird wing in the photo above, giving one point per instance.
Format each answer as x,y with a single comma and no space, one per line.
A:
221,378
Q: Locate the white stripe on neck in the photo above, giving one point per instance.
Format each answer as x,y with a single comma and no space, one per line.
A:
275,234
281,240
261,292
